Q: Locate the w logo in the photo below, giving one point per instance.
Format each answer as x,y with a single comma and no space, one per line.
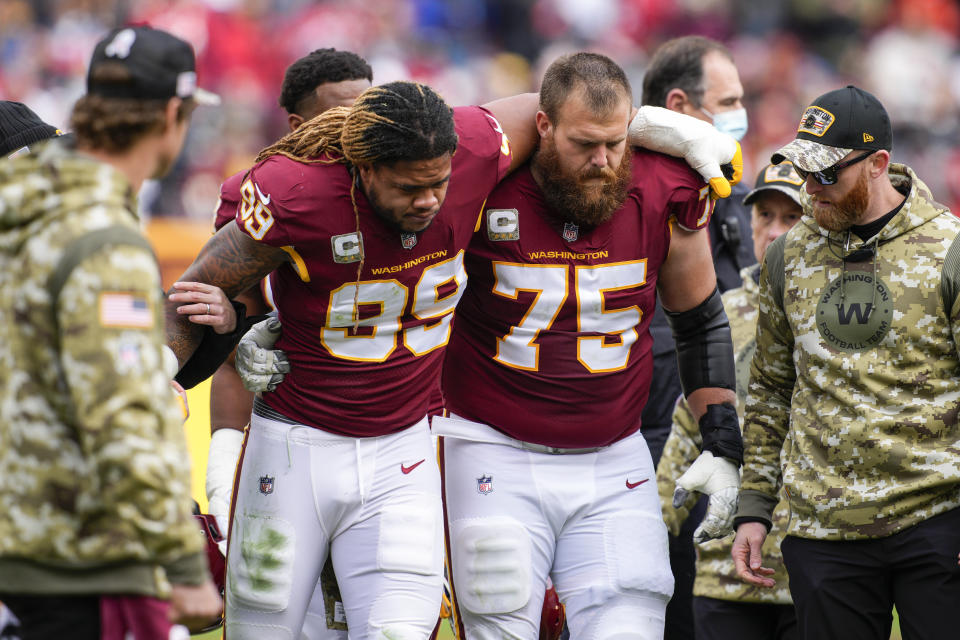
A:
846,312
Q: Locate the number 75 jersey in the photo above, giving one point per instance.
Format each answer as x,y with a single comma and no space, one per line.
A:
551,342
378,377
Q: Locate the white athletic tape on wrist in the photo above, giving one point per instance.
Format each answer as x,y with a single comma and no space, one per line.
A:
224,452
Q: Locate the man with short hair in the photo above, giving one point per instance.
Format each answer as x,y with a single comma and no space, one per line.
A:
857,370
95,523
546,475
696,76
724,607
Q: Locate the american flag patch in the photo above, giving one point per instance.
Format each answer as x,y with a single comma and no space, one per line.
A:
125,310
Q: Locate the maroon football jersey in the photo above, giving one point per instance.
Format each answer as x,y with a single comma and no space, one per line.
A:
551,342
380,378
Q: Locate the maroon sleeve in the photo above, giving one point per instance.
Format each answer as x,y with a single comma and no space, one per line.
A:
690,202
268,204
229,200
480,132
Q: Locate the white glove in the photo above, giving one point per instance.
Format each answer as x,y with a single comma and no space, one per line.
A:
225,445
261,368
696,141
719,479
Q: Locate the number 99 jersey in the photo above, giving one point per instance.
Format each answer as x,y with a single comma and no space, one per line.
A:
551,343
378,379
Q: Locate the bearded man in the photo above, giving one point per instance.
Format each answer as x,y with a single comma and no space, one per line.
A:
545,473
857,370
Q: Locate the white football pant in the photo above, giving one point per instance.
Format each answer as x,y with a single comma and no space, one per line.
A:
372,503
590,521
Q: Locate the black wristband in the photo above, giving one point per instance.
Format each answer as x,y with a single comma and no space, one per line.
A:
720,429
214,349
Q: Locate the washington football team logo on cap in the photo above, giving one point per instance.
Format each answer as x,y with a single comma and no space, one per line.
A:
815,121
266,485
503,224
485,484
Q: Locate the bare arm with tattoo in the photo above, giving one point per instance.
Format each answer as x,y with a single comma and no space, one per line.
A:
230,260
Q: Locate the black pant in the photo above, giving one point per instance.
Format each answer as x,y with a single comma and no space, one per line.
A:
56,617
683,563
727,620
847,589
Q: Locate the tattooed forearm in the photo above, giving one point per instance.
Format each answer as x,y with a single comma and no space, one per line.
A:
230,260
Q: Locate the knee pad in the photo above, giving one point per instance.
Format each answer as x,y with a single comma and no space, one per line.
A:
251,631
260,563
639,557
410,615
411,537
491,564
623,621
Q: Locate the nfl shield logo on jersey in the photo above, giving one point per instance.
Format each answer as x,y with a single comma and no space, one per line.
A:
408,240
485,484
570,232
266,485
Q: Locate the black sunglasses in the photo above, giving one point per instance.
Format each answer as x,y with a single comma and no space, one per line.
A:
828,176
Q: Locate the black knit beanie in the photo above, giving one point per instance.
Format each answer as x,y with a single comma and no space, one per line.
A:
21,127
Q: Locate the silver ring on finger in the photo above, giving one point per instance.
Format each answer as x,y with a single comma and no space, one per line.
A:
208,308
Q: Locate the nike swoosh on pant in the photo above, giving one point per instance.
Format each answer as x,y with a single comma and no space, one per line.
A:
634,485
405,469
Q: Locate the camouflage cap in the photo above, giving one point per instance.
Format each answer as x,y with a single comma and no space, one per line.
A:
835,124
781,177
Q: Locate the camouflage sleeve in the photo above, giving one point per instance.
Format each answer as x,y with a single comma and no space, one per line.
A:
767,410
950,288
128,422
679,452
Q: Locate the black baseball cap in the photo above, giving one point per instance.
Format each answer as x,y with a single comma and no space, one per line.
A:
161,66
835,124
781,177
20,127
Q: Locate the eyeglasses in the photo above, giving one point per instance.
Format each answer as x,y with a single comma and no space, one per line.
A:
829,176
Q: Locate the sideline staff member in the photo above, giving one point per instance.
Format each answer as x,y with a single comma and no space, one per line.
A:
95,520
857,364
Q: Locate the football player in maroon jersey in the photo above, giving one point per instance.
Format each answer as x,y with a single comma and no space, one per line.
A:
313,84
545,473
338,459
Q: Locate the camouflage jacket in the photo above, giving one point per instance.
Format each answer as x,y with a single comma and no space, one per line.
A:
716,577
94,472
858,360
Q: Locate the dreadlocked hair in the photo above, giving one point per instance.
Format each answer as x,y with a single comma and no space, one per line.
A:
389,123
394,122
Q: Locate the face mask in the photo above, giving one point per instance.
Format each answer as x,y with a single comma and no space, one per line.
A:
733,123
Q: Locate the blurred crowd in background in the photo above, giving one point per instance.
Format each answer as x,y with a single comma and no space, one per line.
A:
906,52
